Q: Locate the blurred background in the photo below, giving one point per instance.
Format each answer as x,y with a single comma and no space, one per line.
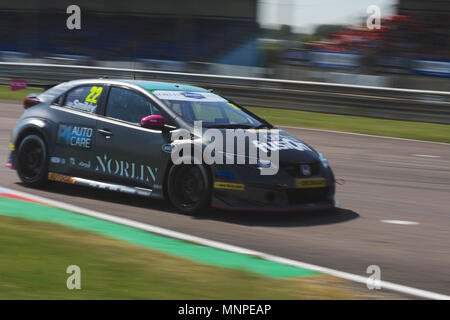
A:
317,40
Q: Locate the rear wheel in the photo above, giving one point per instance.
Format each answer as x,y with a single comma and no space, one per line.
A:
189,188
32,161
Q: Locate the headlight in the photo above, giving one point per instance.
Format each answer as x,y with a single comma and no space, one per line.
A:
323,160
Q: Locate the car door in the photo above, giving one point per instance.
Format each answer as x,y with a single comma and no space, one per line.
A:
125,152
75,130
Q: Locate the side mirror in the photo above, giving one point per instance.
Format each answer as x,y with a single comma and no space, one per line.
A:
155,121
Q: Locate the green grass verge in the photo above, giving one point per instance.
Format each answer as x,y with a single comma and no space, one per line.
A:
35,256
381,127
19,95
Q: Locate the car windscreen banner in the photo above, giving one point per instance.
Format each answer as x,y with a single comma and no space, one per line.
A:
188,96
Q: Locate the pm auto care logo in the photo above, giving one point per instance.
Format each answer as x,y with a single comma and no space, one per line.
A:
75,136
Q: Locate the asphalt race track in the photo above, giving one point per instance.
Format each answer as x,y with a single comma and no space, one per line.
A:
385,179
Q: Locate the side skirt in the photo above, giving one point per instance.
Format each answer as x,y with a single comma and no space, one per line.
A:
103,185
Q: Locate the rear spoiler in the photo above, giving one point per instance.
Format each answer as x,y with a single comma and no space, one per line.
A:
31,100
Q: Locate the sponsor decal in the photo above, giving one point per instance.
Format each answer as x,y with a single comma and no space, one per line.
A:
83,106
113,187
126,169
99,185
60,178
225,174
81,163
310,183
84,164
167,148
84,98
75,136
55,160
283,143
187,96
193,95
229,186
306,169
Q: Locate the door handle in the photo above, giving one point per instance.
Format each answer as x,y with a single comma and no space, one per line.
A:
107,133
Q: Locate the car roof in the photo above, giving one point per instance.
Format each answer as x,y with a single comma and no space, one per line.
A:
54,91
158,85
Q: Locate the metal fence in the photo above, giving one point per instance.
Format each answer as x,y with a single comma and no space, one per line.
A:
389,103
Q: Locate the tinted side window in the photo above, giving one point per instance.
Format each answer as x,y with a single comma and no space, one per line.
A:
85,98
129,106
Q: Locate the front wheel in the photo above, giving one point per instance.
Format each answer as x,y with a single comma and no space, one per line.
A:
32,161
189,188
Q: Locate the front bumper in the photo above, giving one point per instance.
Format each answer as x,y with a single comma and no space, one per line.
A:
242,188
274,198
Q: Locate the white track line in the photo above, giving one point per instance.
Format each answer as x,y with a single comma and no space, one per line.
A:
227,247
364,135
425,155
404,222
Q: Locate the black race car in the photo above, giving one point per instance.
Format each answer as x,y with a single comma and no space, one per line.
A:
122,135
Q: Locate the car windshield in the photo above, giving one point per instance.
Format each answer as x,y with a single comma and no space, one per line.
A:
211,109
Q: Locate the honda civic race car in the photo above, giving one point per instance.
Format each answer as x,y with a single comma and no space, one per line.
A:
122,135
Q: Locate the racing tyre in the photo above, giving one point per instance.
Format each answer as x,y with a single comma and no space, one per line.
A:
189,188
32,166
